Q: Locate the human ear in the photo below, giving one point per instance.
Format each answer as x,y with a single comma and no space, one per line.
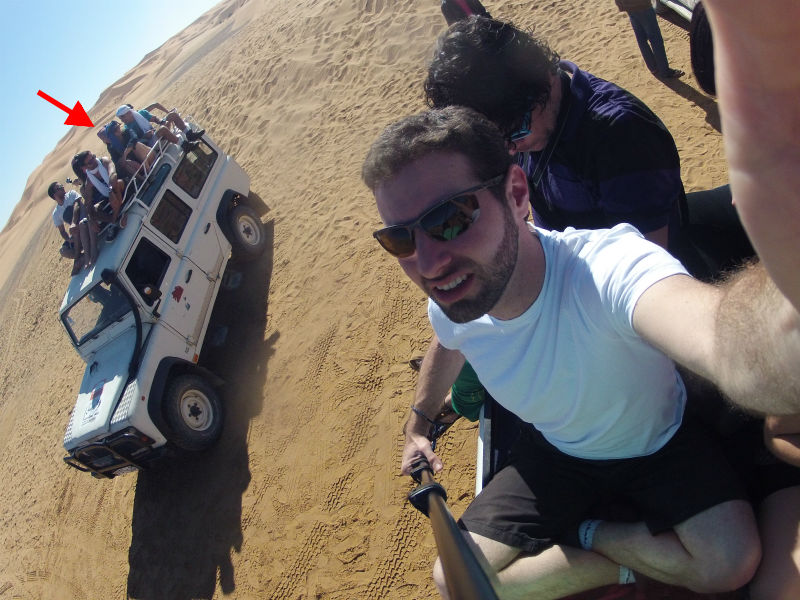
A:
516,191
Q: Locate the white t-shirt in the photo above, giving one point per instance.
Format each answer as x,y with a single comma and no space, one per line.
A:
58,212
572,363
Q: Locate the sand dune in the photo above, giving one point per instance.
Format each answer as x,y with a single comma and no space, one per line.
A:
302,497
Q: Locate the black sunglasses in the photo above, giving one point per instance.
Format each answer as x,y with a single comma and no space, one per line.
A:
524,129
444,221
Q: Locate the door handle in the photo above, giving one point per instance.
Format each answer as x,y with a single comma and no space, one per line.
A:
188,275
208,226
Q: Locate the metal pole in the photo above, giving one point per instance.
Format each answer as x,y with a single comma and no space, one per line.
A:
465,576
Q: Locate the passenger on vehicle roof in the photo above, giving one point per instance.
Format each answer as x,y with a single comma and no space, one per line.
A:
100,183
122,146
141,129
172,116
72,219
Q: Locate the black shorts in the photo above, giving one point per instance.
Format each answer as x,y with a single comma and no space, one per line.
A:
541,495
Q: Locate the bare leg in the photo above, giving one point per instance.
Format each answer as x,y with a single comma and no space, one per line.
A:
115,200
778,576
174,117
558,571
143,155
716,550
165,133
88,241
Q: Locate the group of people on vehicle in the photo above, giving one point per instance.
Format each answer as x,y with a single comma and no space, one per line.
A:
578,331
102,180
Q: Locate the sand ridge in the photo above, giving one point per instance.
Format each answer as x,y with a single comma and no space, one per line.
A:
302,497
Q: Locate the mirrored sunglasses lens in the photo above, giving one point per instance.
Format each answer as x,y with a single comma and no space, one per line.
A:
451,219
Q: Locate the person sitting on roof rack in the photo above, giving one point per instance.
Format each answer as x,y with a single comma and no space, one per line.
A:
173,117
100,183
71,218
127,153
141,129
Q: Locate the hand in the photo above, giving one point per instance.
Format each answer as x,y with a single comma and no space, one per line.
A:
418,446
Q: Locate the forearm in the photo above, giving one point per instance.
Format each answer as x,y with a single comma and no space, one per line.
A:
438,371
157,105
758,85
757,345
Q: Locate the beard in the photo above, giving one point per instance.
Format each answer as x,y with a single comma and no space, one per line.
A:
492,279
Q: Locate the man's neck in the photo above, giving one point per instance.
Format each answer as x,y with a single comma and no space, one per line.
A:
526,281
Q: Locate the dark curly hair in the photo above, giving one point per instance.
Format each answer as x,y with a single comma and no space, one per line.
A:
77,164
493,67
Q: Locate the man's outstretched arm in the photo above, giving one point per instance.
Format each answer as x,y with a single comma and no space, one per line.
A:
756,46
745,334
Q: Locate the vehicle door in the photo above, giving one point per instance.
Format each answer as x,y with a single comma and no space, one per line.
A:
172,288
190,187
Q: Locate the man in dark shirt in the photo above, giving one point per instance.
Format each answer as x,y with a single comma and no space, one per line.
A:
595,154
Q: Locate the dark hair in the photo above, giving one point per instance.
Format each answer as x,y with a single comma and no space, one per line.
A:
454,129
51,189
493,67
77,164
454,10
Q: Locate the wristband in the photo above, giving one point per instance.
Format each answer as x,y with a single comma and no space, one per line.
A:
417,411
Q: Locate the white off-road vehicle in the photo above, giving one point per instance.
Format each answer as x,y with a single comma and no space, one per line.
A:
139,315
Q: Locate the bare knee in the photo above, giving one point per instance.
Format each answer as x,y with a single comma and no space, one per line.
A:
438,579
727,571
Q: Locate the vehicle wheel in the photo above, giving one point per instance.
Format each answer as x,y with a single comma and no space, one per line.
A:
193,412
701,50
247,233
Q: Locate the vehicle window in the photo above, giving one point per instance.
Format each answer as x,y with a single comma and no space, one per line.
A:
103,305
193,170
146,270
170,216
153,184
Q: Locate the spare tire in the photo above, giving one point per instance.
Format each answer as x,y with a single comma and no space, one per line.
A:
701,49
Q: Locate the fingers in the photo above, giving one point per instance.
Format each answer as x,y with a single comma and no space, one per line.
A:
416,448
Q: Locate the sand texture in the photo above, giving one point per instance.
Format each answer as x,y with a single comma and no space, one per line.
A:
302,498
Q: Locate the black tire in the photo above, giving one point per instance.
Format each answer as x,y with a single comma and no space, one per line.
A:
248,238
701,50
194,413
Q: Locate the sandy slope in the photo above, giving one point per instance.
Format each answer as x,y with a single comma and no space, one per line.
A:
302,498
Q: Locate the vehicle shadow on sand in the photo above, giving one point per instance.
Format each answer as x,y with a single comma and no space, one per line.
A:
188,509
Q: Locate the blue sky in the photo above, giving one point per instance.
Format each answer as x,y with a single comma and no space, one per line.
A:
72,51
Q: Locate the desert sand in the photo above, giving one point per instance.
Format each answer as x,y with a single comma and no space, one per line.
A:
302,498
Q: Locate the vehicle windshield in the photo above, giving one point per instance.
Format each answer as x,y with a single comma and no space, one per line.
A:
103,305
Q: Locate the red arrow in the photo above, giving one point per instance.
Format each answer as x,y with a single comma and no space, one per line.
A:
77,116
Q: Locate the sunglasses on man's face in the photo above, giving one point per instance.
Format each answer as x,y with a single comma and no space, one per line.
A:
524,129
444,221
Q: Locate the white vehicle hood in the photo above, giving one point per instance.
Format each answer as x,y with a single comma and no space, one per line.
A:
103,382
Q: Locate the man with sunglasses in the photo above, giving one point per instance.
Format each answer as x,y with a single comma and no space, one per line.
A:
574,332
595,155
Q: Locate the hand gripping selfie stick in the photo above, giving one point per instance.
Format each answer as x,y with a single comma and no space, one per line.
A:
465,576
